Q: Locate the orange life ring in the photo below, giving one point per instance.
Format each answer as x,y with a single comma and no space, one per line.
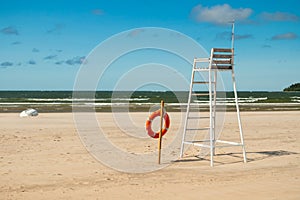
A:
151,118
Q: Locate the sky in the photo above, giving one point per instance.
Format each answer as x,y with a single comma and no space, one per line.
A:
43,43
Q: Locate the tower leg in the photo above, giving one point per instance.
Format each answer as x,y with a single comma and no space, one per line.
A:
214,110
211,128
239,117
187,112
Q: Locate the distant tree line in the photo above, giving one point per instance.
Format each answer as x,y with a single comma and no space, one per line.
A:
293,87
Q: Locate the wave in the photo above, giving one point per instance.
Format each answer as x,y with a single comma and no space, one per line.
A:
232,100
295,99
150,98
74,100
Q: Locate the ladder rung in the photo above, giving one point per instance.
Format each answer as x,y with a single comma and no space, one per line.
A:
201,82
201,94
198,117
201,60
213,67
222,55
197,129
200,69
230,143
196,144
222,67
196,105
222,50
222,62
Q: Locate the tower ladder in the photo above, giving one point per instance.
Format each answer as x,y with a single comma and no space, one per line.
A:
221,59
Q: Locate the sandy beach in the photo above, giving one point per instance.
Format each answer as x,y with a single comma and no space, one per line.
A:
43,158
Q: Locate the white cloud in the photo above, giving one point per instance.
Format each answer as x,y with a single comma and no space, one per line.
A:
279,16
50,57
241,37
31,62
219,14
76,60
9,31
285,36
6,64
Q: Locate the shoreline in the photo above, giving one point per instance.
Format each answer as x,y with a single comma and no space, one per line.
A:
145,108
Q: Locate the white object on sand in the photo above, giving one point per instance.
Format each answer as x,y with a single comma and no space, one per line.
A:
29,113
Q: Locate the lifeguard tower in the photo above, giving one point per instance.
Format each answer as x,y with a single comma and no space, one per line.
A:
220,60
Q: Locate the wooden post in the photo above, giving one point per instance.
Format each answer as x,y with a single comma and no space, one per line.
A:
160,130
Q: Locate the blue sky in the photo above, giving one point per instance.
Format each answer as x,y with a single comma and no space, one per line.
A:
43,43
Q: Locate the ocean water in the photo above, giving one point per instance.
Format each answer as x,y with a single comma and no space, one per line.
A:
61,101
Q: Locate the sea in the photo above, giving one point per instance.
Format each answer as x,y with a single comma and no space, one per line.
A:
137,101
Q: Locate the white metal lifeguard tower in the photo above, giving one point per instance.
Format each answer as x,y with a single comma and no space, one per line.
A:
221,59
